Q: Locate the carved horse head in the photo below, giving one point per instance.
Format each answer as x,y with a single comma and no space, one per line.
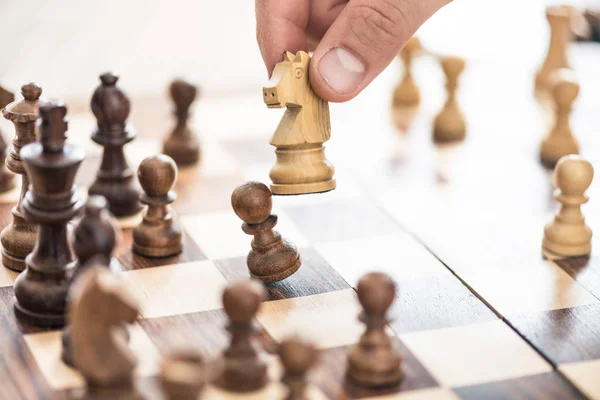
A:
289,82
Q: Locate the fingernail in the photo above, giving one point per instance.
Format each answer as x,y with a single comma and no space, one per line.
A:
342,70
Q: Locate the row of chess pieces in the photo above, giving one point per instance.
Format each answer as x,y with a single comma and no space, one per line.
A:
555,83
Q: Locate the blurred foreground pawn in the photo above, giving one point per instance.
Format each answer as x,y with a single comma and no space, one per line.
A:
407,93
182,144
449,124
52,201
94,241
297,357
159,233
568,235
183,376
375,361
18,238
559,18
271,258
560,140
301,166
114,180
7,178
245,363
99,311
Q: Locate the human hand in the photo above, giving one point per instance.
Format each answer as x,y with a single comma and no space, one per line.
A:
353,40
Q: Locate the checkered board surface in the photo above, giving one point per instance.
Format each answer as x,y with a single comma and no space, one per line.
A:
480,314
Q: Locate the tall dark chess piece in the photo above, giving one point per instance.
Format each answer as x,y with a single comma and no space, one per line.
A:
94,242
159,233
7,178
18,238
182,144
272,258
115,180
245,364
375,360
41,290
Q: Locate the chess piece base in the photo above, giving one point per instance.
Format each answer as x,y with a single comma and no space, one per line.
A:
406,94
20,237
583,248
46,320
243,375
449,126
274,261
279,276
301,171
122,197
161,239
369,370
157,252
552,150
185,151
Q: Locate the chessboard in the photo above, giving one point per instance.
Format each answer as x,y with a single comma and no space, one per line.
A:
479,313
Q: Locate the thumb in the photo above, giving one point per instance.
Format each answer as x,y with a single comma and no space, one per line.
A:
362,41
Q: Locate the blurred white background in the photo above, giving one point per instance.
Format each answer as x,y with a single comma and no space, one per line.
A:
64,45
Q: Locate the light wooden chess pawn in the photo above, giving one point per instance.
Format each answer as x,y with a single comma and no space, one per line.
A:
560,140
301,166
568,235
449,124
159,234
182,144
7,178
271,258
407,93
114,180
94,241
99,310
559,18
183,375
297,357
18,238
52,201
245,364
375,360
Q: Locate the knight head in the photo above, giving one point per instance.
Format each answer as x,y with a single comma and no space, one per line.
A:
289,81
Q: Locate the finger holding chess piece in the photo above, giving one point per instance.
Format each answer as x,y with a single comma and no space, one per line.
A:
568,235
560,141
375,361
449,124
182,144
297,357
159,234
183,375
271,258
245,364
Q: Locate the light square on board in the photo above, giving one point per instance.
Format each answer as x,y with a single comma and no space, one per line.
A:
400,255
531,287
328,319
585,375
7,276
219,235
177,289
46,349
472,354
427,394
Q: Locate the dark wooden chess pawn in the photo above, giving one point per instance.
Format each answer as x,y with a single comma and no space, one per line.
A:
7,178
18,238
183,376
297,357
375,360
159,233
271,258
245,364
100,309
182,144
52,201
114,180
94,241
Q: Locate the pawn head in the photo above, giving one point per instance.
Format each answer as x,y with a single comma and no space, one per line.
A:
565,87
412,45
573,175
242,300
252,202
95,235
157,175
376,293
183,93
31,91
297,355
53,126
452,65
